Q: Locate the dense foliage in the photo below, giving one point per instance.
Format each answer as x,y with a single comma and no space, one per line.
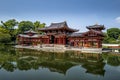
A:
112,36
4,38
11,28
25,26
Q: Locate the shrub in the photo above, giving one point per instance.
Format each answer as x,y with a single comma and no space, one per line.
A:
4,38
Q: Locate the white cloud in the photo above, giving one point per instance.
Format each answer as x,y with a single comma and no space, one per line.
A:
118,19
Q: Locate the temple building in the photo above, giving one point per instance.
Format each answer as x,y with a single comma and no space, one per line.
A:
61,34
29,38
92,38
57,33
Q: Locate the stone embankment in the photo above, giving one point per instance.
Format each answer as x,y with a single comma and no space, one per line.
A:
60,48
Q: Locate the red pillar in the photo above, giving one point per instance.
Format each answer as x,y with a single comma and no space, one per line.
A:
48,40
60,41
99,44
63,41
54,40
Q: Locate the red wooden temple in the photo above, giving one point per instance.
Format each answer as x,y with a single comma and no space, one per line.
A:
60,33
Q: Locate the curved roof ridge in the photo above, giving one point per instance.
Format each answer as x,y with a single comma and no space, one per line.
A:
95,26
31,30
64,22
59,26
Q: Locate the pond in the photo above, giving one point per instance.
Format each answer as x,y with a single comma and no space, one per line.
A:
24,64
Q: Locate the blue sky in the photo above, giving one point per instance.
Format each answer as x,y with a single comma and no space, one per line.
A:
77,13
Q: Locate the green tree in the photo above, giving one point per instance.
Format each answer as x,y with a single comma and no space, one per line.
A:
113,33
118,39
25,26
37,25
105,40
42,25
9,26
4,38
3,30
4,35
108,39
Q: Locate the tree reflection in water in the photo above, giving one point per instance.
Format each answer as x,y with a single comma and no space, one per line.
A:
114,60
94,67
55,62
8,66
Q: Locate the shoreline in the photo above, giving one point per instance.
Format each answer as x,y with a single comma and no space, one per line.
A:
61,48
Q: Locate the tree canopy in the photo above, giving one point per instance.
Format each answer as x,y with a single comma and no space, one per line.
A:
37,25
4,38
8,31
25,26
113,33
10,26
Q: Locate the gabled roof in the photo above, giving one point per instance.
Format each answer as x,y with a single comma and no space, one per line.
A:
95,31
30,31
57,26
27,36
96,26
76,35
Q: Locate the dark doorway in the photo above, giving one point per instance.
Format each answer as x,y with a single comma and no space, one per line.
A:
52,39
67,41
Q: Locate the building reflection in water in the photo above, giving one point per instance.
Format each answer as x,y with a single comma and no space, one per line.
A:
24,59
94,64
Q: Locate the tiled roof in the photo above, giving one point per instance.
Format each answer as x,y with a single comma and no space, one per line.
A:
58,26
76,35
27,36
98,32
30,31
95,26
55,26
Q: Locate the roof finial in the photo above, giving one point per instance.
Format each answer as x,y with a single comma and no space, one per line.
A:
96,23
65,21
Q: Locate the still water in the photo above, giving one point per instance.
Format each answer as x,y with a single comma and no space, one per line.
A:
23,64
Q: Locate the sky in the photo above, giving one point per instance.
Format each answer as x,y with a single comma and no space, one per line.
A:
77,13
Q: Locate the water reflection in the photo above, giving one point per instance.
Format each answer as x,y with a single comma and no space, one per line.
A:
96,67
8,66
114,60
24,60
